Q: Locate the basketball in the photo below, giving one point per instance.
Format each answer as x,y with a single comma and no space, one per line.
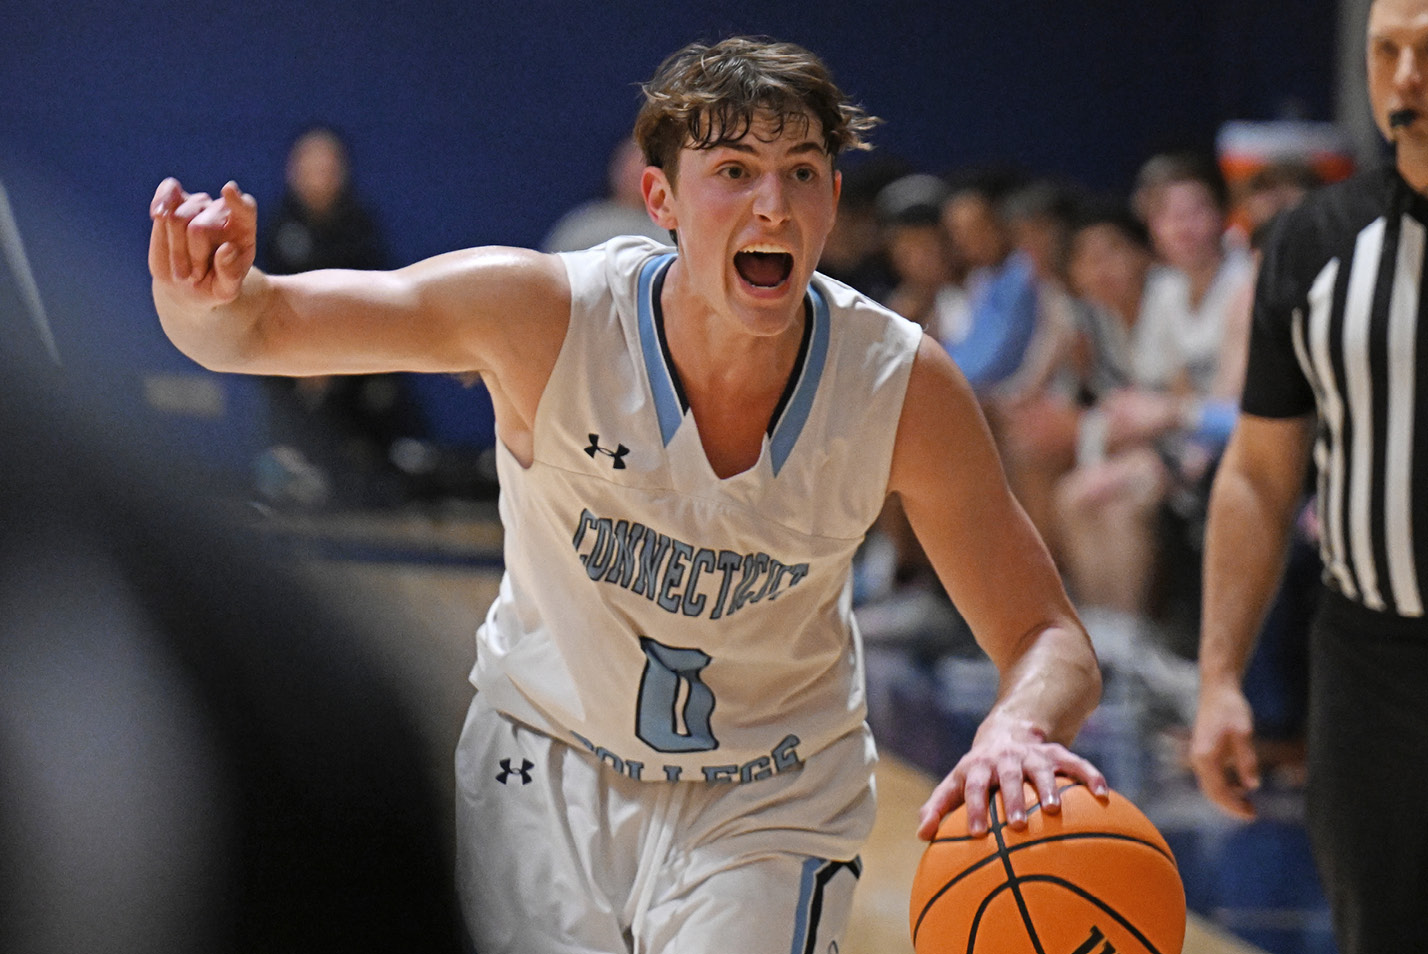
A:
1095,878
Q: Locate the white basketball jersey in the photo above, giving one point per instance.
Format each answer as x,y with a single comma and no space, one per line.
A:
678,625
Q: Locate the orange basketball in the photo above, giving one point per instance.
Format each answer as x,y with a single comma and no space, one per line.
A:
1095,878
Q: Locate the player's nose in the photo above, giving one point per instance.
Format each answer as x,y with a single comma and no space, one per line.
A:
771,199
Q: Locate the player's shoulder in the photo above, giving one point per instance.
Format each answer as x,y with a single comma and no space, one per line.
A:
857,315
615,260
611,270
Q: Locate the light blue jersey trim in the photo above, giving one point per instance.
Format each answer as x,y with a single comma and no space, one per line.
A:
661,384
668,408
795,415
809,881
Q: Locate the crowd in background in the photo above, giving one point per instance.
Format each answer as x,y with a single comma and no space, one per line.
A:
1106,337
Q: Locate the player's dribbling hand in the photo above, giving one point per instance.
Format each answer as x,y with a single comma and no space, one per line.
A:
200,247
1002,757
1222,749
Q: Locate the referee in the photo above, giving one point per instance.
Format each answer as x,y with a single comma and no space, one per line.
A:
1336,369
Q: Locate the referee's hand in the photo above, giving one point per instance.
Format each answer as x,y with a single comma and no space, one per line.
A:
1222,749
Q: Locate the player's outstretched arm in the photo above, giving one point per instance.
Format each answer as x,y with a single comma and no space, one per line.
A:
1253,502
500,311
1001,577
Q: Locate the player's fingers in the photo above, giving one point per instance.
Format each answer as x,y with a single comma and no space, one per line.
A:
976,793
242,207
1083,770
228,271
1044,779
166,198
205,232
159,250
944,798
177,221
1009,779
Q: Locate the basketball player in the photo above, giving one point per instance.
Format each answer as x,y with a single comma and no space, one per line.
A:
667,750
1336,364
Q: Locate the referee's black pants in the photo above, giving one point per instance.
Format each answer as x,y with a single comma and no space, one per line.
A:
1368,775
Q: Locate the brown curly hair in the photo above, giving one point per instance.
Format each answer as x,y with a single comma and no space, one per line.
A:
703,96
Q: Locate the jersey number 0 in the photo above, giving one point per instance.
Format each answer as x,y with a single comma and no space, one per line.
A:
661,722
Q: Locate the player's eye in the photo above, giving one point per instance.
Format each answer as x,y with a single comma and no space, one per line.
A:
805,174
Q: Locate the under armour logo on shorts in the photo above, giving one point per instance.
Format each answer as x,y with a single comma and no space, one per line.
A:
617,455
504,776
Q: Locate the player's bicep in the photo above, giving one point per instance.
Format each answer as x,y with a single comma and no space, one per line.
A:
473,310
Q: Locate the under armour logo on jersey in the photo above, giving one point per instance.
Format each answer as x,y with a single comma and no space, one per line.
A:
504,776
617,455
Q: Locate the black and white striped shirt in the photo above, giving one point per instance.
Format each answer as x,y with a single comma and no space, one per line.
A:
1336,329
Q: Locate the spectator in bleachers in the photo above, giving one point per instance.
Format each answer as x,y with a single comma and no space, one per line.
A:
1110,262
928,289
999,282
320,221
1151,443
1044,380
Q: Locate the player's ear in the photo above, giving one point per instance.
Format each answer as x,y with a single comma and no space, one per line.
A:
659,197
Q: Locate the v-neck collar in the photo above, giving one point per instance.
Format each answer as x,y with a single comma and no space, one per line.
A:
671,404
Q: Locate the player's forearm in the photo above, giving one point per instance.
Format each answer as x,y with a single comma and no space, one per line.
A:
222,337
1052,687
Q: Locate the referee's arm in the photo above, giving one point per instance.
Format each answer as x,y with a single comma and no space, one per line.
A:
1256,493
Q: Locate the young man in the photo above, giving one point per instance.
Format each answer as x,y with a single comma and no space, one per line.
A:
1336,364
667,749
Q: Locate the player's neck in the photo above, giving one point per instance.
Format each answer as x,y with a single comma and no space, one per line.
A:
717,351
711,357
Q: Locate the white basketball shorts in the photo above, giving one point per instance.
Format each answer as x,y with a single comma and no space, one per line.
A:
560,854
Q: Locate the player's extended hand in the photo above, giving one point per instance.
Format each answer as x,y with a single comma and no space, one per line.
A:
200,247
1222,749
1002,757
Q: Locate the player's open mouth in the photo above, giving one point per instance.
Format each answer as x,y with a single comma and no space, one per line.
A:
763,266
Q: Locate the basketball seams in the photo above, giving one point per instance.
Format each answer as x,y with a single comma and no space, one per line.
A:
1088,896
964,873
1003,851
1089,835
1012,882
1000,854
1001,848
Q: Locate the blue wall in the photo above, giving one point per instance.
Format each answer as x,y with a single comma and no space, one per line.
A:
482,122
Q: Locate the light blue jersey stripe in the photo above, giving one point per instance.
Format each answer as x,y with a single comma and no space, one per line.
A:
661,384
790,424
